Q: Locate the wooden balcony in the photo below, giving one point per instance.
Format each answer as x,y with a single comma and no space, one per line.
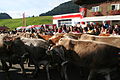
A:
114,12
97,13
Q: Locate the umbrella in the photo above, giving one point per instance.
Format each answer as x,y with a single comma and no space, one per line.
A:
33,26
22,27
37,26
30,26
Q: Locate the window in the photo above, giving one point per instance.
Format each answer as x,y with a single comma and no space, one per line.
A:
66,22
95,9
115,7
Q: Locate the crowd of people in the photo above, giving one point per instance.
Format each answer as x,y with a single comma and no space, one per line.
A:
93,29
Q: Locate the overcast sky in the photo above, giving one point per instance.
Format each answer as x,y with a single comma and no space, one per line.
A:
15,8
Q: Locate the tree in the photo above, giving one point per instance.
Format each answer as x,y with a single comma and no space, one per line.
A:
5,16
65,8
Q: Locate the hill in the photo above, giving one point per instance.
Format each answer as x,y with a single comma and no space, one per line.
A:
67,7
13,23
5,16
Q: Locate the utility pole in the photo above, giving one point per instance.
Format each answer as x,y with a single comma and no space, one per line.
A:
24,20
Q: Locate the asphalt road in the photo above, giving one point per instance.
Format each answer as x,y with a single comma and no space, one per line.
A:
15,74
73,74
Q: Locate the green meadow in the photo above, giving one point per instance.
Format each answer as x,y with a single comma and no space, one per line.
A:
13,23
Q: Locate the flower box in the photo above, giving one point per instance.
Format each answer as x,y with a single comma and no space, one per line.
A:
115,12
96,13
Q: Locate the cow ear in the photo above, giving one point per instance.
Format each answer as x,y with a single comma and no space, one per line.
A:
72,42
63,48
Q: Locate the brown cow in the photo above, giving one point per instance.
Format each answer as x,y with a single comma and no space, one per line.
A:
113,40
95,56
45,37
73,35
54,39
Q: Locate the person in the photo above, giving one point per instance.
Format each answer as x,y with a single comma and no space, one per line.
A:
103,30
116,30
32,30
49,32
105,27
59,30
96,31
55,30
64,29
110,29
70,29
76,30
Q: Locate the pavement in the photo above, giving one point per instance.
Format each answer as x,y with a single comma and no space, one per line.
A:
72,71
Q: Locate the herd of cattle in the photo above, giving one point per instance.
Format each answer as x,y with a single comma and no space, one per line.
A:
93,54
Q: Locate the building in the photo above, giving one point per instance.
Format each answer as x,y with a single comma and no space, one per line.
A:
67,19
103,11
92,11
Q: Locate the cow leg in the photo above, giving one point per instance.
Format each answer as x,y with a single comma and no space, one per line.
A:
107,77
64,69
29,62
4,66
22,60
92,75
36,71
10,64
47,70
46,64
22,67
35,63
59,69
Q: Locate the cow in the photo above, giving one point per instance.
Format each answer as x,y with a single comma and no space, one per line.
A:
37,54
4,53
13,51
73,35
45,37
55,38
113,40
97,57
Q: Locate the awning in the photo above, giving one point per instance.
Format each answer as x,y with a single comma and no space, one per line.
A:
33,26
101,18
22,27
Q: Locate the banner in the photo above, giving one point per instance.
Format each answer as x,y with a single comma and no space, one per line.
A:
83,11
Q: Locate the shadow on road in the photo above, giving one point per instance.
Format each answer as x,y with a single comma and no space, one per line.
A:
72,71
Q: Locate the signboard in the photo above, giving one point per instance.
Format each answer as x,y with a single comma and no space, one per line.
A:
83,11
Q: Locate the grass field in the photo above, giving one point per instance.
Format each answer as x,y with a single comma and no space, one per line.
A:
13,23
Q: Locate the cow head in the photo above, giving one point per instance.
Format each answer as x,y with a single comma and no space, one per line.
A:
57,51
7,42
15,46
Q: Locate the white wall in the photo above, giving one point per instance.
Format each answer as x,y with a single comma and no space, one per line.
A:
55,22
74,21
